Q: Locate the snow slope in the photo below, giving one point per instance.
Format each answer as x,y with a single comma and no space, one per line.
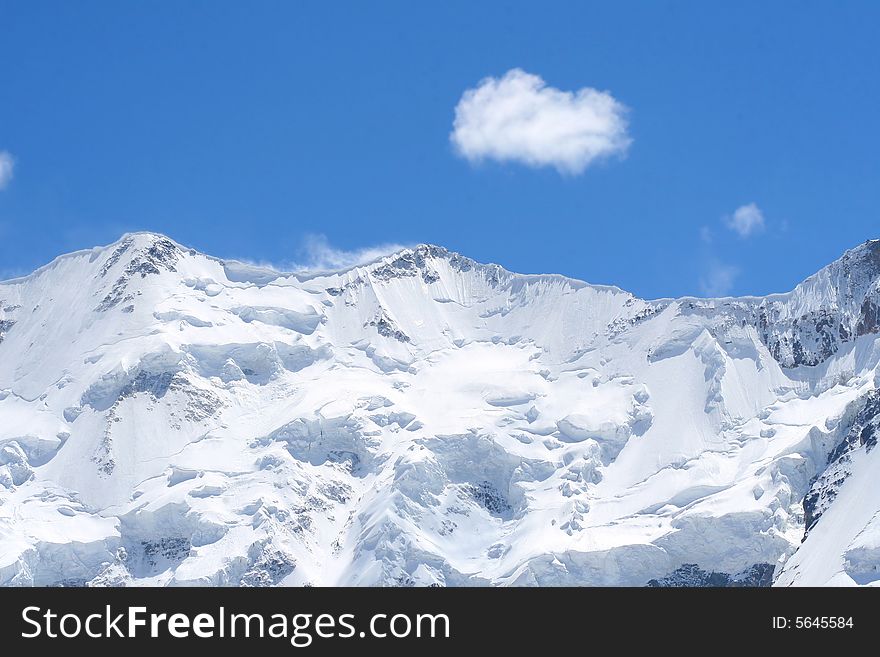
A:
168,418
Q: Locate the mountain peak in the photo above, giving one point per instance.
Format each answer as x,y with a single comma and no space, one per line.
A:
417,260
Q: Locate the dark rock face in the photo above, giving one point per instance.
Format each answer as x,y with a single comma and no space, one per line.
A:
161,254
690,575
409,263
388,329
850,307
157,554
5,325
157,384
489,497
415,262
807,340
862,434
115,256
809,325
869,319
269,568
622,324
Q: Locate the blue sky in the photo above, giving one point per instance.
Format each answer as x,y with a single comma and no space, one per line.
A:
725,147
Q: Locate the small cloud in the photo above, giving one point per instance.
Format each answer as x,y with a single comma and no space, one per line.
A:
7,164
320,255
518,118
705,235
718,279
746,220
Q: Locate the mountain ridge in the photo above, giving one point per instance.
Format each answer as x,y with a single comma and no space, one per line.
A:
173,418
871,247
304,273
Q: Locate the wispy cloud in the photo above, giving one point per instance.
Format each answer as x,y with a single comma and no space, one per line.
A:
318,254
746,220
519,118
7,165
718,278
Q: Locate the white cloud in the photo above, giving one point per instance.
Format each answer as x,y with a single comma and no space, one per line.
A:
746,220
316,254
7,164
718,279
320,255
519,118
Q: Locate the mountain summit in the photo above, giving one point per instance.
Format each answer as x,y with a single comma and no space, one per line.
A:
171,418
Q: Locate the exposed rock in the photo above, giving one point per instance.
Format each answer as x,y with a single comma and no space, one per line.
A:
690,575
824,488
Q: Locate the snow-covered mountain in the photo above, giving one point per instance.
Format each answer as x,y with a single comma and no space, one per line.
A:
170,418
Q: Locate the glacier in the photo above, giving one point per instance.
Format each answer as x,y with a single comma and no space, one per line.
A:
172,418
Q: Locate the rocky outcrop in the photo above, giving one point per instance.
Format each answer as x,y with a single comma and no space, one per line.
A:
862,435
160,255
690,575
833,307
